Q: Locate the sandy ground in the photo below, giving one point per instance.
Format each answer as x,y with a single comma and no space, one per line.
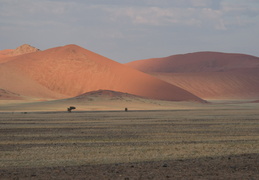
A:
96,102
219,141
229,167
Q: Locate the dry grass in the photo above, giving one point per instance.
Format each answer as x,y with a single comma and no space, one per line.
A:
62,139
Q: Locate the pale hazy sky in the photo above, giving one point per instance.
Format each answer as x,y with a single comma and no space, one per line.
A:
127,30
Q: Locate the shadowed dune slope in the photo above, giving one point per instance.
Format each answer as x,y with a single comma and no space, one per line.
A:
71,70
209,75
100,100
105,94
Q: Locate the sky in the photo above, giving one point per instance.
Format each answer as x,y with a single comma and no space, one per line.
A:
128,30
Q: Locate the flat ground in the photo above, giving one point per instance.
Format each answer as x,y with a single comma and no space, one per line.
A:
214,142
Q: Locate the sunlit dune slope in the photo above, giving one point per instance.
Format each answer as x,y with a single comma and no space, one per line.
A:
209,75
71,70
23,49
4,54
7,95
14,80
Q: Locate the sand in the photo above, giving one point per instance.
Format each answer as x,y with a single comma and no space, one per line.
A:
217,85
72,70
226,167
217,141
209,75
94,101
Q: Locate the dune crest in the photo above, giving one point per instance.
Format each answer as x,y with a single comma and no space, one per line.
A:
72,70
196,62
23,49
108,94
5,55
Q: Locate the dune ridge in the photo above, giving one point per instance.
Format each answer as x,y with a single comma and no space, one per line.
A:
196,62
209,75
23,49
106,94
72,70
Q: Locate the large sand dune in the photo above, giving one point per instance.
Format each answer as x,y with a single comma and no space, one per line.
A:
7,95
209,75
71,70
4,54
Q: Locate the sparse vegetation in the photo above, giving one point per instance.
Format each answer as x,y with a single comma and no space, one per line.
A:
71,108
112,137
91,138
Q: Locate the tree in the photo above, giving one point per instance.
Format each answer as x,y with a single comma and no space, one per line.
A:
71,108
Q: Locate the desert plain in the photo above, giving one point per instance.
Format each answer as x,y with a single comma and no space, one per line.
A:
173,140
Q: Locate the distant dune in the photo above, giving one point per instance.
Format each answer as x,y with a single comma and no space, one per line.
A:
209,75
106,94
70,70
98,101
23,49
197,62
107,99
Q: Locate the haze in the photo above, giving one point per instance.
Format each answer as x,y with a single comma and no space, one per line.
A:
130,30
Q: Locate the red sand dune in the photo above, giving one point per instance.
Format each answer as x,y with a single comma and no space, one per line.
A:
23,49
14,80
7,95
209,75
71,70
4,54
